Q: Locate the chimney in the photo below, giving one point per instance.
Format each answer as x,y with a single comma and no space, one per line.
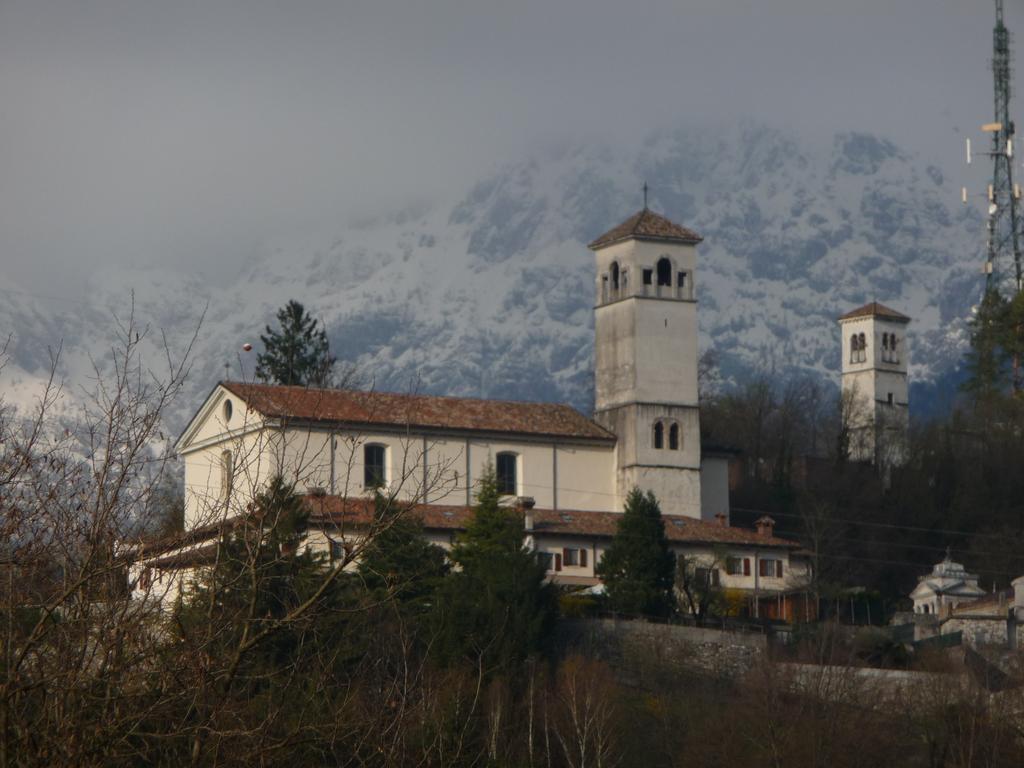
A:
525,504
765,526
722,519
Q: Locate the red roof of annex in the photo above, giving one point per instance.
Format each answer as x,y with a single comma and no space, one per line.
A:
336,513
340,510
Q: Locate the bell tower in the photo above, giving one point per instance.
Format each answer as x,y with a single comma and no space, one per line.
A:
645,357
874,384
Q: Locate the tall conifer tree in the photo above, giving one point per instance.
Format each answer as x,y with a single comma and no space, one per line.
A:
638,567
496,610
297,353
986,361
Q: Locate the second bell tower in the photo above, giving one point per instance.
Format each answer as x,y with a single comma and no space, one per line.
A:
645,357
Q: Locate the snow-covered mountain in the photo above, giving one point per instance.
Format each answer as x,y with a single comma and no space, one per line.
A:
492,294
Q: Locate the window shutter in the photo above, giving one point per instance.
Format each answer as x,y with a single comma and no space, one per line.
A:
746,566
558,562
583,557
565,555
778,569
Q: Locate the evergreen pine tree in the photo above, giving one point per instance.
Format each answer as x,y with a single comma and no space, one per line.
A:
260,575
399,563
986,361
297,353
638,567
496,609
1013,341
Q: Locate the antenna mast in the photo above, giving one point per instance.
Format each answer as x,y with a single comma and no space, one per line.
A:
1003,267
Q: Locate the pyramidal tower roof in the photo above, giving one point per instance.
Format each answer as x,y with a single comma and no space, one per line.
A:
874,309
647,225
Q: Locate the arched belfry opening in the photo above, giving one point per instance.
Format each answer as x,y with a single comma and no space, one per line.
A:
615,277
664,271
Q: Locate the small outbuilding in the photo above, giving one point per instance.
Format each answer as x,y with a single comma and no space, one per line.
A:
947,586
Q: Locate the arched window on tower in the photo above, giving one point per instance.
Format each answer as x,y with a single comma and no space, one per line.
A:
862,345
615,279
664,271
885,347
659,435
854,348
894,356
673,437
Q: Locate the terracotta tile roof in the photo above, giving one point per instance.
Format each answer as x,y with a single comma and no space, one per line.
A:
993,604
340,510
647,225
678,529
337,510
874,309
205,555
355,407
156,545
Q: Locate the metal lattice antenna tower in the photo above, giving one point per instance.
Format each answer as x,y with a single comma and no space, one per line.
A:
1003,269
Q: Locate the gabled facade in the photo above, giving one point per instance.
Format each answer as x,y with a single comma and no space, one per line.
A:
420,449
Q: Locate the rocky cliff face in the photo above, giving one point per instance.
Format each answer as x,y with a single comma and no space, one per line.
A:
492,294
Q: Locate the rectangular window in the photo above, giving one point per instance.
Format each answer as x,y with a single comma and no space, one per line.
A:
505,472
706,577
681,280
734,566
547,560
575,557
889,399
337,551
373,466
770,568
227,474
648,277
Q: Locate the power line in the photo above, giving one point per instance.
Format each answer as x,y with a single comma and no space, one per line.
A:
865,523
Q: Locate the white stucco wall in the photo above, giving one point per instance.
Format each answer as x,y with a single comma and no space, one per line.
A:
253,456
714,488
442,469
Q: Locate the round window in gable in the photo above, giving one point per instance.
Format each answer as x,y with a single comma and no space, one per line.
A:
227,411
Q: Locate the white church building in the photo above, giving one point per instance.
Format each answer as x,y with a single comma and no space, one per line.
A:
568,474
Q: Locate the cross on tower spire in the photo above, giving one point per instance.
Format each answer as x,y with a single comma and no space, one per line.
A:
645,195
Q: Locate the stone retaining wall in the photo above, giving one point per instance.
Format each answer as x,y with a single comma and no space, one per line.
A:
633,645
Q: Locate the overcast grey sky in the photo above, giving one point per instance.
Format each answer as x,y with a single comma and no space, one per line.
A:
197,132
